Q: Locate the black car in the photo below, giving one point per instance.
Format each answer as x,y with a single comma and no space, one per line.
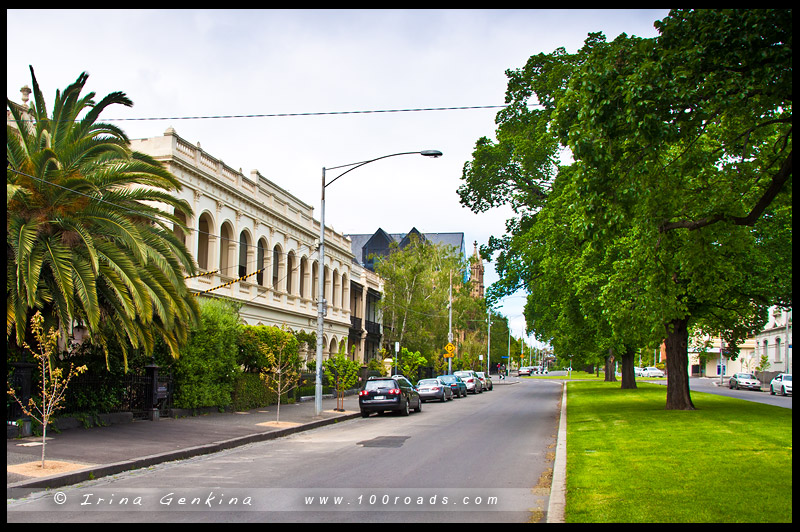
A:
381,394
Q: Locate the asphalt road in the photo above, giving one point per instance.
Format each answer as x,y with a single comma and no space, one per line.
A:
712,385
484,458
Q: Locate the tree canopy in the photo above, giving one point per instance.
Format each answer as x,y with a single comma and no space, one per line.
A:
652,178
416,289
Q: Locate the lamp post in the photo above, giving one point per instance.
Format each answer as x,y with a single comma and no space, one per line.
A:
321,303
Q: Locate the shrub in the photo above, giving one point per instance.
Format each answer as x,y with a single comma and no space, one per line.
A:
249,392
207,367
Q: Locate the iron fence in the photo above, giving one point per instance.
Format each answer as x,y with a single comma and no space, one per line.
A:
132,392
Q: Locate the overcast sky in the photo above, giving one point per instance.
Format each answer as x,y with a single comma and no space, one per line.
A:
175,64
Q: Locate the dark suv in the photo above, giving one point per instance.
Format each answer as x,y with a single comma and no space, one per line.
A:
386,393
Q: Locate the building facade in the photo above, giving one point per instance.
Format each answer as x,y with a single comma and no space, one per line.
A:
775,341
773,344
257,244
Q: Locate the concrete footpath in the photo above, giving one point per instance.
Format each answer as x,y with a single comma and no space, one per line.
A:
78,455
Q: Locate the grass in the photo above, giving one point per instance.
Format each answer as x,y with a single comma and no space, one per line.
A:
582,375
630,460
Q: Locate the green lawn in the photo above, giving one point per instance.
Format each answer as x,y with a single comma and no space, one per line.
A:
630,460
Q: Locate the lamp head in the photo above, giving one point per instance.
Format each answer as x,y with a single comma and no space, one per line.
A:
431,153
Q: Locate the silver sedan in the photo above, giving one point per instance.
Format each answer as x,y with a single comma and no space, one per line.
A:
434,389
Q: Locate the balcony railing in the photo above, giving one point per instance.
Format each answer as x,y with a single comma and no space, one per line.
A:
372,327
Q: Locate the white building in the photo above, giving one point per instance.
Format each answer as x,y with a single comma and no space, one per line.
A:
775,341
258,244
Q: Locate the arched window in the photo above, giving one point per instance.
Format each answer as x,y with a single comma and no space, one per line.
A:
227,244
302,278
261,261
289,271
244,247
177,230
203,234
277,267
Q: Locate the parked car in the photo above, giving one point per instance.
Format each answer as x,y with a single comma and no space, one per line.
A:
652,372
524,371
486,380
782,382
471,380
434,389
403,379
458,386
381,394
744,380
638,371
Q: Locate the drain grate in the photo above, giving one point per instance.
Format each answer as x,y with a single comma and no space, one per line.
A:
384,441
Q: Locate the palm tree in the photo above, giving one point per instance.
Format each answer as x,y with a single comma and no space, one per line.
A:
87,241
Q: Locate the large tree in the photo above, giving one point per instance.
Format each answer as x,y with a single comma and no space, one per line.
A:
416,290
682,153
88,238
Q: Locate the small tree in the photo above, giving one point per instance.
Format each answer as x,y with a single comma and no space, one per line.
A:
343,373
284,373
410,362
54,384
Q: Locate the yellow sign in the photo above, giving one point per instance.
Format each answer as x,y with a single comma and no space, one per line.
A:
449,348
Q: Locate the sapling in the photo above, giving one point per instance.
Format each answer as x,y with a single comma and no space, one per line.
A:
54,384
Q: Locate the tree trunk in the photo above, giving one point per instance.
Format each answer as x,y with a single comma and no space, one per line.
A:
677,345
610,376
628,376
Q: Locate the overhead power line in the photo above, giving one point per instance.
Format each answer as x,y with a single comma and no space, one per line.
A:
321,113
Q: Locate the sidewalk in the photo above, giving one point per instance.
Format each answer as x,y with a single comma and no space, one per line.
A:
83,454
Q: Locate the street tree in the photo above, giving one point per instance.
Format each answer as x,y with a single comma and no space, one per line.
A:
54,383
88,238
342,373
679,177
416,291
279,349
684,147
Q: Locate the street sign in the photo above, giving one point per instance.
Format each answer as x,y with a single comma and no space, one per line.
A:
450,348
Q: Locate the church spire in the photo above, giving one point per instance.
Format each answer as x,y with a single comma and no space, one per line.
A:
476,270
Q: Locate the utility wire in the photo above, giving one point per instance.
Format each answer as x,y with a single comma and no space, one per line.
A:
280,115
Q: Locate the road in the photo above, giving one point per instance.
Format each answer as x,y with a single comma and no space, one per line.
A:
484,458
711,385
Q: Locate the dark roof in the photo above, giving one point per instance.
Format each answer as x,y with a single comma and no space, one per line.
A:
363,245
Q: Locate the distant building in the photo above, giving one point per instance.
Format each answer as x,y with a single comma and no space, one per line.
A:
775,340
366,247
476,274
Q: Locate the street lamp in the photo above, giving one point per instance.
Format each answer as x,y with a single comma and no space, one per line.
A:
321,303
